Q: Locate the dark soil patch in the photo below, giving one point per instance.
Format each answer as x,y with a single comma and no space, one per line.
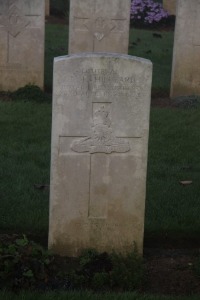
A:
161,102
185,102
5,96
56,20
171,271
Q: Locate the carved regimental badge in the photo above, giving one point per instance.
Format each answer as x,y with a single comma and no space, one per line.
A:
102,139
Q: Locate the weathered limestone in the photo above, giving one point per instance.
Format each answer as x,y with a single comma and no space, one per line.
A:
47,7
170,6
21,43
99,26
186,56
100,130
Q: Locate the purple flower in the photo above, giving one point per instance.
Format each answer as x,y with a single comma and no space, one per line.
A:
147,11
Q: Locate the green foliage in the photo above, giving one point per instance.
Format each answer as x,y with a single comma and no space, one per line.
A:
127,272
23,263
102,271
93,269
30,93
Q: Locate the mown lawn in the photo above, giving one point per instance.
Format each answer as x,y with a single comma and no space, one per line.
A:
158,47
24,160
174,151
25,150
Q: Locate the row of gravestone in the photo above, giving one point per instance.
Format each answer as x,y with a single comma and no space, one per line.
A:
94,26
100,127
100,123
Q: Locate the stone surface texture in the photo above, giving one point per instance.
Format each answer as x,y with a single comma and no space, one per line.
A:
185,79
21,43
99,26
100,128
47,7
170,6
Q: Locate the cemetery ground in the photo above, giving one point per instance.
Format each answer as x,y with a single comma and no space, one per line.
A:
172,224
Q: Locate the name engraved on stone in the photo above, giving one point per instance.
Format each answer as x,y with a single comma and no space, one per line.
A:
102,139
103,83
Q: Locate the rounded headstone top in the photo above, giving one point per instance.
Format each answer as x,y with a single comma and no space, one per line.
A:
103,55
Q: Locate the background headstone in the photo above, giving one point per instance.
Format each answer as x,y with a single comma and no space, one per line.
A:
47,7
99,152
99,26
170,6
21,43
185,78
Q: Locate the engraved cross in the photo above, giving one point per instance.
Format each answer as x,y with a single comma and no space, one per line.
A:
99,26
13,22
96,149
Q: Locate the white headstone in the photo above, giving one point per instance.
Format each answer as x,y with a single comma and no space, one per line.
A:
21,43
99,26
100,131
185,78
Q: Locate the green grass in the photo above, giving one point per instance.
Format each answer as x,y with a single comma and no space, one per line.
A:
24,161
174,151
56,44
158,50
88,296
